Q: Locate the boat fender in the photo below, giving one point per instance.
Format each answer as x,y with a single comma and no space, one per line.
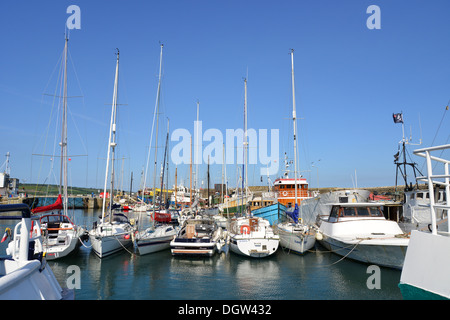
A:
319,236
245,229
7,234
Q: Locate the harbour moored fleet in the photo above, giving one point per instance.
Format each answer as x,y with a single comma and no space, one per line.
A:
349,223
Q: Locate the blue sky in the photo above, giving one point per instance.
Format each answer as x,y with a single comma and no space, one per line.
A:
349,81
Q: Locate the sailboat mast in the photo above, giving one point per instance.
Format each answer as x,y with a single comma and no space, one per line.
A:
63,174
176,187
245,139
294,119
197,155
156,138
164,164
112,138
190,174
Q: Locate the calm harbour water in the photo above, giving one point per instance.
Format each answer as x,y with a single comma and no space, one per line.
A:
226,276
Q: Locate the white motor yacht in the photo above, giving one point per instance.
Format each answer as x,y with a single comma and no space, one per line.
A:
359,231
199,237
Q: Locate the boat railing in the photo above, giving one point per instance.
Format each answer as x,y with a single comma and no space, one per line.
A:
436,179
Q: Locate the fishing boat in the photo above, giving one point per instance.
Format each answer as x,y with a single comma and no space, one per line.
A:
252,237
113,232
198,236
359,231
180,196
236,203
416,212
24,272
291,191
271,213
425,270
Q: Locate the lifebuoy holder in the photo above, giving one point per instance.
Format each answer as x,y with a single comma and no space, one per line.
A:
245,229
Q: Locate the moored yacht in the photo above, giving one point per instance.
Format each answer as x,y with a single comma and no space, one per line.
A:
199,237
155,238
61,235
113,232
252,237
359,231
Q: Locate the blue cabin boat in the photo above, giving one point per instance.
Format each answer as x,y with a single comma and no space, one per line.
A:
271,213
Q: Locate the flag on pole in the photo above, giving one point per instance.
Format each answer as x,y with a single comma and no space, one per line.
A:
398,117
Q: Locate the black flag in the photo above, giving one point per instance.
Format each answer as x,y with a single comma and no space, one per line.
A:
398,117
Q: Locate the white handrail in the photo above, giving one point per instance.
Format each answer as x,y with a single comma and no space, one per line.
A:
425,152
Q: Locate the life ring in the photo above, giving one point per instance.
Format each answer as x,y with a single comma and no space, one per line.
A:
285,193
245,229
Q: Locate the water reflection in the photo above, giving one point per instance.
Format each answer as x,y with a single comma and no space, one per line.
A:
225,276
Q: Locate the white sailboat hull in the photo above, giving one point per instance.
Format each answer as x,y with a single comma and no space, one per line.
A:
104,246
157,240
65,246
107,239
297,238
154,245
254,247
298,243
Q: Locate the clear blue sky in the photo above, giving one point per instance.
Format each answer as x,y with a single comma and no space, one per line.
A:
349,81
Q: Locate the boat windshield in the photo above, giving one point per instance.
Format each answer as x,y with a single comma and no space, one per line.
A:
354,211
361,212
375,212
55,218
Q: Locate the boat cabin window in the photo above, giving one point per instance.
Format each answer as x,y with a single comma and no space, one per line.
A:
334,214
349,212
337,212
376,212
363,212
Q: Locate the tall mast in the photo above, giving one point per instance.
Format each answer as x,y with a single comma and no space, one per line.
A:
176,187
164,163
112,141
197,155
294,119
190,176
245,138
208,183
63,144
156,139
